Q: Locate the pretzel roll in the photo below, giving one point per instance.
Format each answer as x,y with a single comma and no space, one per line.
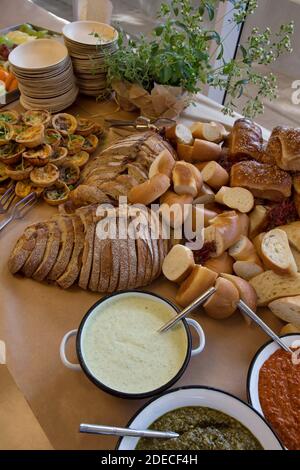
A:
186,179
223,303
222,264
173,210
150,190
163,163
195,284
204,151
214,175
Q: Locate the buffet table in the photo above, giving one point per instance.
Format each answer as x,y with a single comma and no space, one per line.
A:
34,317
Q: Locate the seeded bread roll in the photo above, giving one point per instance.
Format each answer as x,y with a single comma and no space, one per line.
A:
285,145
245,139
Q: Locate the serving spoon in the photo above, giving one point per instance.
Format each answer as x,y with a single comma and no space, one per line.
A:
116,431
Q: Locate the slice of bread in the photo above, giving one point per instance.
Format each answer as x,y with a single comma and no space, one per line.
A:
270,286
248,269
178,263
22,249
235,198
242,250
287,309
293,233
37,254
276,252
51,252
67,241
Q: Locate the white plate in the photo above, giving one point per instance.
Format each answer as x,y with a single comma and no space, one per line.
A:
207,397
38,54
80,32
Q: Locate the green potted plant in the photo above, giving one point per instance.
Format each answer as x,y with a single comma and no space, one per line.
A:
159,75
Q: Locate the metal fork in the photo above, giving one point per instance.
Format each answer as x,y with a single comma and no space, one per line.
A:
7,198
19,209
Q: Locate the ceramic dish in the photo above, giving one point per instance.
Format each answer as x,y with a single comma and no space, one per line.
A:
206,397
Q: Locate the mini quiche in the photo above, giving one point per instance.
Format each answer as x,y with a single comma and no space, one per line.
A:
44,176
18,128
53,138
6,132
59,156
64,123
69,173
79,159
25,187
98,129
56,194
19,171
74,143
3,173
12,117
11,153
85,126
32,136
34,117
38,156
90,143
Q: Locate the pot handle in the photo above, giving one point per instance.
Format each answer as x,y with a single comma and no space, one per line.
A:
62,351
201,335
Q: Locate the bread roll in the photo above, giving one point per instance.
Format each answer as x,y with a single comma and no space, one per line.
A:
257,241
199,212
180,134
178,264
245,139
205,195
163,163
235,198
225,231
215,175
204,151
296,256
222,264
246,292
242,250
195,284
287,309
185,152
223,303
293,233
285,144
289,329
276,252
147,192
211,131
270,286
244,223
258,220
186,179
248,269
175,208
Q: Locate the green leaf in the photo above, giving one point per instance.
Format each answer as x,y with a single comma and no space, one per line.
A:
159,30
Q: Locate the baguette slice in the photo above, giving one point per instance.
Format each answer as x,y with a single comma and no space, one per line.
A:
223,303
205,195
258,220
276,252
178,264
214,175
211,131
270,286
246,291
296,256
195,284
293,233
185,152
235,198
243,249
204,151
287,309
248,269
163,163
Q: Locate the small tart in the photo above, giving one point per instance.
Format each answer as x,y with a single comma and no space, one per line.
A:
25,187
38,156
3,173
79,159
74,143
59,156
85,126
44,176
19,171
69,173
11,153
18,128
53,138
34,117
98,129
90,143
32,136
56,194
12,117
64,123
6,132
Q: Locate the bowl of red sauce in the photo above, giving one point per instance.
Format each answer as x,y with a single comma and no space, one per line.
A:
273,388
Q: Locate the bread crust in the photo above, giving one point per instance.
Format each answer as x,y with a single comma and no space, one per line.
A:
67,242
36,256
51,252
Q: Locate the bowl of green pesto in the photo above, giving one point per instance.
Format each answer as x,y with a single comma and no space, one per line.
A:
205,419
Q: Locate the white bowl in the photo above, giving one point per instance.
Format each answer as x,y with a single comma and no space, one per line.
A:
39,54
259,359
207,397
80,32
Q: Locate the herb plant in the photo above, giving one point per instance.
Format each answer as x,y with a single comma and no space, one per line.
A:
180,52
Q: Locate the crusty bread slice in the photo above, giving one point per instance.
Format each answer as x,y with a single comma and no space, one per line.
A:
293,233
105,265
276,252
51,252
123,253
37,254
22,249
236,198
243,249
248,269
142,253
115,266
270,286
67,241
296,255
258,220
70,275
87,215
288,309
178,264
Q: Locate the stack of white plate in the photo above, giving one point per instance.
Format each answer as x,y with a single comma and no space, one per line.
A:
44,71
89,43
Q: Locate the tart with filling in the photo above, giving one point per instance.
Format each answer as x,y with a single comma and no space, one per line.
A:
64,123
69,173
74,143
79,159
90,143
85,126
98,129
25,187
38,156
12,117
20,171
59,156
18,128
32,136
6,132
11,153
35,117
56,194
44,176
3,173
53,138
